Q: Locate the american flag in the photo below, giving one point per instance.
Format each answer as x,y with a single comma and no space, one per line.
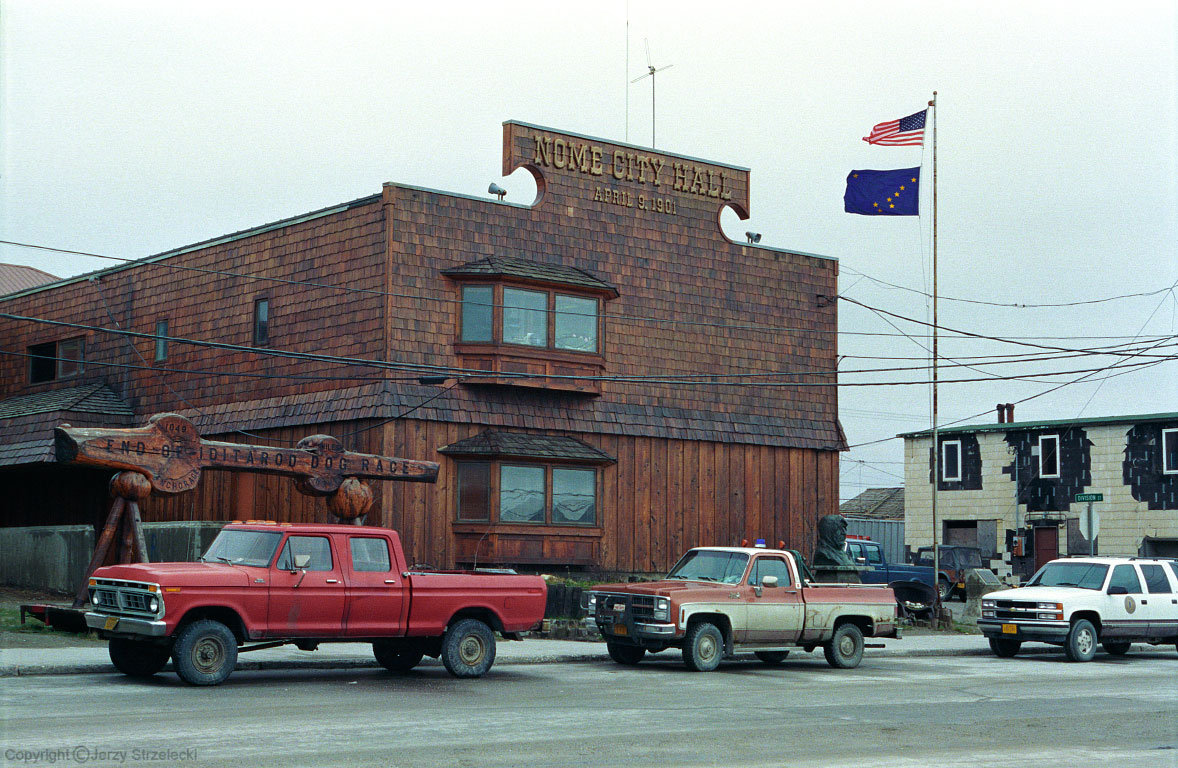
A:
905,132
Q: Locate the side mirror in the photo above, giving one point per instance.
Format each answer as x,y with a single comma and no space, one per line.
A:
302,561
769,581
1117,589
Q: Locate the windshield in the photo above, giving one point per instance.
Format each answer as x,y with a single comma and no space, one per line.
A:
711,565
243,547
1082,575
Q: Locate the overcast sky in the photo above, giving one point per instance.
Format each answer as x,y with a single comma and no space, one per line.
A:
130,128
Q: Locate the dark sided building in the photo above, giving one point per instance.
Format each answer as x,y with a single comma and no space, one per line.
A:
590,337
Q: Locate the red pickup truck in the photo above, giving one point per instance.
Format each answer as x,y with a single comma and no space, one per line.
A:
262,585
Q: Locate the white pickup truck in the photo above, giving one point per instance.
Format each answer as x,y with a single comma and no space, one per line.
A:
1079,602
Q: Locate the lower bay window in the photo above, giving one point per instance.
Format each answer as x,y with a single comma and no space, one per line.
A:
526,493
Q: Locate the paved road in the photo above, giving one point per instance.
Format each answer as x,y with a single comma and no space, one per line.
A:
891,711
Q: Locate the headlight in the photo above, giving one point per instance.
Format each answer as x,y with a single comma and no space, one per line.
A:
662,608
1050,616
154,605
1049,606
989,603
989,614
591,603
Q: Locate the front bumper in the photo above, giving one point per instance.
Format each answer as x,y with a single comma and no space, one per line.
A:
125,625
1041,631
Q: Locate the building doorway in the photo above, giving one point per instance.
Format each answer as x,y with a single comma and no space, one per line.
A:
1046,545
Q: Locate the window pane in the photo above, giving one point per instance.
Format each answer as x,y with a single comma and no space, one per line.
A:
1126,576
525,317
1155,579
70,354
574,496
161,342
1170,450
474,490
951,461
477,312
521,494
262,321
315,546
1049,456
42,366
576,323
369,554
874,555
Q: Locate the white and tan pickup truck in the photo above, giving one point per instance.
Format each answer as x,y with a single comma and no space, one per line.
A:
1079,602
719,601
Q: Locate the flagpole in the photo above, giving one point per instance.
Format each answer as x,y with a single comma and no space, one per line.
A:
936,447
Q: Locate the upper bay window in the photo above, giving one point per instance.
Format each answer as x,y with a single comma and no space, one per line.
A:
529,324
1170,451
951,460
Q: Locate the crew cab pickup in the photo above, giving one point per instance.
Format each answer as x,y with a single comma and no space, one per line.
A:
1079,602
866,552
264,585
719,601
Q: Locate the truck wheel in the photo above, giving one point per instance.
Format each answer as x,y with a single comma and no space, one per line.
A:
136,658
1004,649
703,647
468,649
398,655
944,590
845,649
205,653
772,658
1080,644
1115,649
629,655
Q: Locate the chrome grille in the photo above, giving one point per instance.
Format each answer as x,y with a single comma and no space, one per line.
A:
124,598
1015,609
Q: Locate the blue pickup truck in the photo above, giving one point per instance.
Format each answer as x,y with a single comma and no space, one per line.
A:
865,552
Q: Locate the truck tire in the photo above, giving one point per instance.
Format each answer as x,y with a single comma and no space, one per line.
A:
944,589
628,655
398,655
1003,648
772,658
1080,644
703,647
137,658
468,649
845,649
205,653
1116,649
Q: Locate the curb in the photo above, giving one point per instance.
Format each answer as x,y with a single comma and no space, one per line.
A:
90,668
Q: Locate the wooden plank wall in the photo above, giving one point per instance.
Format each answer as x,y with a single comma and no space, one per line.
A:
660,498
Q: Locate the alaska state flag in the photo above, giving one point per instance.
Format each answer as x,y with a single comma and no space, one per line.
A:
883,193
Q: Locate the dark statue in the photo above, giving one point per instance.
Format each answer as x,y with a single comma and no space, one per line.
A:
832,537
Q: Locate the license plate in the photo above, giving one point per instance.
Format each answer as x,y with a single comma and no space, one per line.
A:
111,623
1010,629
620,629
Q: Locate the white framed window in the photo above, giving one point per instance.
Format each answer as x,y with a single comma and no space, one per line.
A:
1170,451
1049,456
951,461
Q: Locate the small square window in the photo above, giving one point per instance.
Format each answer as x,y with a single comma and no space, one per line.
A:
1049,456
951,461
1170,451
262,321
42,362
161,340
574,496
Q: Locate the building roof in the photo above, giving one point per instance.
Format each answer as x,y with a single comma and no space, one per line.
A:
507,266
493,444
89,398
1016,426
17,277
876,503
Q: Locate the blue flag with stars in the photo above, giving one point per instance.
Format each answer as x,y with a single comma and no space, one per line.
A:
883,193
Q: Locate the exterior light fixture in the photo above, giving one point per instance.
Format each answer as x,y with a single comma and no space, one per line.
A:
495,189
754,237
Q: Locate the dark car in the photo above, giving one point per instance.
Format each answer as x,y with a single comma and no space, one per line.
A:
956,562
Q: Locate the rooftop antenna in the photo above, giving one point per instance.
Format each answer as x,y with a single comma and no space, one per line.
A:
650,74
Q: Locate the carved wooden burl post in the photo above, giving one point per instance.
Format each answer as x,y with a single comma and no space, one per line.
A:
167,457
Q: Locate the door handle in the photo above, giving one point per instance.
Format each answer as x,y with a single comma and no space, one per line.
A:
390,581
1145,602
333,581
